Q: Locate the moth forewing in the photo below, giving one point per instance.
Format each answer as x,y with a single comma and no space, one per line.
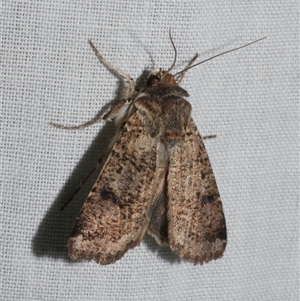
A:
114,217
197,229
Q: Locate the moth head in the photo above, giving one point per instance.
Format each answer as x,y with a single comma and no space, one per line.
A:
160,77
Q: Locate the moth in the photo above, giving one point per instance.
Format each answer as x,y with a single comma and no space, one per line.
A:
155,177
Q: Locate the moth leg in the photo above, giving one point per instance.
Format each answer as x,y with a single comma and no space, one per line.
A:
209,137
188,65
78,127
129,82
127,92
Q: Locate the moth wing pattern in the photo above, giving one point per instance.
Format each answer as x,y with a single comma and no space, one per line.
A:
196,222
155,176
117,212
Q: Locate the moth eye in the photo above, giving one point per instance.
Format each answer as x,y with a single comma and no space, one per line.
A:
153,81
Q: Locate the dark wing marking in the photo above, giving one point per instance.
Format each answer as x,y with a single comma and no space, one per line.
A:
117,212
197,230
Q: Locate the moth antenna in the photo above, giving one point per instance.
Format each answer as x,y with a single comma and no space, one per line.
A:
175,50
185,69
225,52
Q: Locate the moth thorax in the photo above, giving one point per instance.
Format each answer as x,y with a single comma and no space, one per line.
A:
168,78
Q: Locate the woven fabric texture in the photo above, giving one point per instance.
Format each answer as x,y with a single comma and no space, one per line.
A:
248,98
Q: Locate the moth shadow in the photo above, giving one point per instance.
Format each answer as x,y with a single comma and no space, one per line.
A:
56,227
163,251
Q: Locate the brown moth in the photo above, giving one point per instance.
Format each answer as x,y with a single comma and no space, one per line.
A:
155,177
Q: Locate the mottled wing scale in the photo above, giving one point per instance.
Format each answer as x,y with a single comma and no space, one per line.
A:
196,223
118,210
